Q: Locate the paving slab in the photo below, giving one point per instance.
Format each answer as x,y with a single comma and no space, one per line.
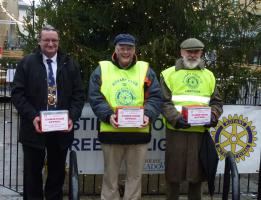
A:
7,194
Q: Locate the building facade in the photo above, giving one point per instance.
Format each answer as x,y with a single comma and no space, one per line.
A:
8,34
12,13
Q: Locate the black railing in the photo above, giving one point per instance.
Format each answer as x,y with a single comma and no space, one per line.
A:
73,177
231,168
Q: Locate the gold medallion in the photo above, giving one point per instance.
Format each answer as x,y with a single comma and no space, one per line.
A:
51,99
51,95
51,90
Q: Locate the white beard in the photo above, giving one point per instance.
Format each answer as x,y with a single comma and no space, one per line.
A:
191,64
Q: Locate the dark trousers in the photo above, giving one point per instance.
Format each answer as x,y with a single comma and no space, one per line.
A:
194,191
33,165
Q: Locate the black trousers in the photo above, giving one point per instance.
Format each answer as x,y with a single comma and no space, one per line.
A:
33,166
194,191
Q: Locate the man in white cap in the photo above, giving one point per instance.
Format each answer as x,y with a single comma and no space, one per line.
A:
123,81
187,83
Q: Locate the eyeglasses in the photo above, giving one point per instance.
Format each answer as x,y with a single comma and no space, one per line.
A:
126,49
50,40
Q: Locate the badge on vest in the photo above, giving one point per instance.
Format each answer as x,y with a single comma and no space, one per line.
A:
130,116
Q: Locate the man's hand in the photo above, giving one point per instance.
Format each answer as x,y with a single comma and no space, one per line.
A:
213,121
182,123
37,124
113,121
70,126
146,121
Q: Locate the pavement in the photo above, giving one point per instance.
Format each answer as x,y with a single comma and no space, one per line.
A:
7,194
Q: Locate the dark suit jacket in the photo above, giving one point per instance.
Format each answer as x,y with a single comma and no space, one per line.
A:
29,95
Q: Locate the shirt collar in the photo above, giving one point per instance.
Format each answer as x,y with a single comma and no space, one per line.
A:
53,58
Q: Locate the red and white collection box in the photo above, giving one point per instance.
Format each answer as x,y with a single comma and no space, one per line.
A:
55,120
197,115
130,116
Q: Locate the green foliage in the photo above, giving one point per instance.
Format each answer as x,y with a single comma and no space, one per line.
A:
87,29
6,63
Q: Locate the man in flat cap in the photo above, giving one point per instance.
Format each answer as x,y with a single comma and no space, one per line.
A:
124,82
187,83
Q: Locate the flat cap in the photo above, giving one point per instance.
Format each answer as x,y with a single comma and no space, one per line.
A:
125,39
192,44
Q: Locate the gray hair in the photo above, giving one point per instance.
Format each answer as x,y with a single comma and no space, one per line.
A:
48,27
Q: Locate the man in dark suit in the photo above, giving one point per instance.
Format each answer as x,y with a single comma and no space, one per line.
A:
46,80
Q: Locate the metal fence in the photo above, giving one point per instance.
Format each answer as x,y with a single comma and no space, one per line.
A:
240,91
231,171
11,158
10,150
73,177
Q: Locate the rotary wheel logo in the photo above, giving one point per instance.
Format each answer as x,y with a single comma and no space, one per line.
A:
124,97
192,81
235,134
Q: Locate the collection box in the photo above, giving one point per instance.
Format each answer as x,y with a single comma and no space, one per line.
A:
130,116
54,120
197,115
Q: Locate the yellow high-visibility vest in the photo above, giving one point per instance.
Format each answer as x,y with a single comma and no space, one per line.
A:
189,87
123,87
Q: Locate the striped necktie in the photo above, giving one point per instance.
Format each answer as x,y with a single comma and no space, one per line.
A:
51,86
51,81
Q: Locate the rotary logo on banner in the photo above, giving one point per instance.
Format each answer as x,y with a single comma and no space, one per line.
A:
237,134
238,131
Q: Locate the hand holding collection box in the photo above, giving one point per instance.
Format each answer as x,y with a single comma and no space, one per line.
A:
55,120
197,115
130,116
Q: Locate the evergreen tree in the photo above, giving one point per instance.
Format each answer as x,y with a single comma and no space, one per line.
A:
87,29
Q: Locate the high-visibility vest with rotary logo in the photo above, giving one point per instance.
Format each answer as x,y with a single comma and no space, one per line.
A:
123,87
189,87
